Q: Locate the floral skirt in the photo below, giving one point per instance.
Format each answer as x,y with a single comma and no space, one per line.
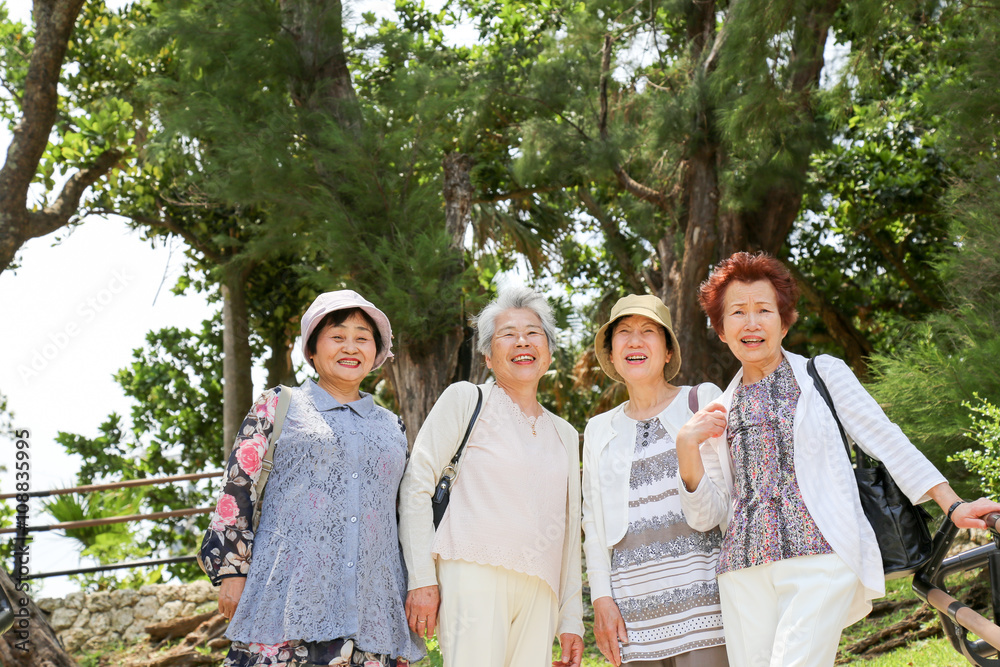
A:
341,652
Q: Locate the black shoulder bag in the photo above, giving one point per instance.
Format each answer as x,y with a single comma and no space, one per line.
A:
900,526
442,493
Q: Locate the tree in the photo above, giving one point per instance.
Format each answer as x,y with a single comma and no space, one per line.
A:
696,124
92,127
367,201
949,358
668,135
173,429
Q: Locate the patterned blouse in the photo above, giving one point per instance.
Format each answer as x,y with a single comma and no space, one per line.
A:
770,520
325,579
662,571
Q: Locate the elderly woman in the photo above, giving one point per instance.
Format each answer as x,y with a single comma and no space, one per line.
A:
501,576
321,581
799,559
652,578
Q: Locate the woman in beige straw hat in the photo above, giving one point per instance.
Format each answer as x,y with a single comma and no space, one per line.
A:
652,577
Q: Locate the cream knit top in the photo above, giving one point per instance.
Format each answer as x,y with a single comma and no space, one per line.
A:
508,504
435,444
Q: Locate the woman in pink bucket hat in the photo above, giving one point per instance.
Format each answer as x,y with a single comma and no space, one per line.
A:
320,581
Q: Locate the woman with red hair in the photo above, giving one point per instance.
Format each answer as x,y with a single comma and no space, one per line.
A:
765,462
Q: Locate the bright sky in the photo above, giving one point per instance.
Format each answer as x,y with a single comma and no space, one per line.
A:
73,313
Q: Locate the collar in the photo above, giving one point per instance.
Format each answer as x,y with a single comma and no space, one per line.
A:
324,401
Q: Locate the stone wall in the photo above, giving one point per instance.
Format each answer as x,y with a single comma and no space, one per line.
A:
88,621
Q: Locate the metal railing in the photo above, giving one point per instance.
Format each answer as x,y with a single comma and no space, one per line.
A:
957,618
21,529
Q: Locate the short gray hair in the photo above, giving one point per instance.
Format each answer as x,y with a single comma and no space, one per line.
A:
510,298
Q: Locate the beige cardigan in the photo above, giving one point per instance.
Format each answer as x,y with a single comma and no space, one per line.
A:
433,448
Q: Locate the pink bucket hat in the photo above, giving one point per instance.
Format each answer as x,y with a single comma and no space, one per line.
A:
344,299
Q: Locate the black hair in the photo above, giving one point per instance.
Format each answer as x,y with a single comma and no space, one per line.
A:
610,332
338,317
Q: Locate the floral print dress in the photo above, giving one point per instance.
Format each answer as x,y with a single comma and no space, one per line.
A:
276,605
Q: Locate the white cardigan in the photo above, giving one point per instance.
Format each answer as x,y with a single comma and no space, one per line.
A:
433,448
606,472
823,470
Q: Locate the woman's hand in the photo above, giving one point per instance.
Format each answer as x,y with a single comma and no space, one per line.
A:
422,610
609,629
968,515
572,650
229,595
705,424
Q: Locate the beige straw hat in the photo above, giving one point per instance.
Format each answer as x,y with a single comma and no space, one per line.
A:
639,304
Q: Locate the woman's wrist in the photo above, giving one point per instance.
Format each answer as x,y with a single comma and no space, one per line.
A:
954,506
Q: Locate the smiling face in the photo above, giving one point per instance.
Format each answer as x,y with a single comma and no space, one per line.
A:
639,350
345,353
519,352
752,328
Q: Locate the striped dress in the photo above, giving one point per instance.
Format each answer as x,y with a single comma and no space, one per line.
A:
662,571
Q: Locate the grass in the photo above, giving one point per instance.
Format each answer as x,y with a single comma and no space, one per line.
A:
935,652
931,652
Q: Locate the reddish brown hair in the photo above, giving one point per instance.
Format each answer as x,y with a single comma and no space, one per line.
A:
745,267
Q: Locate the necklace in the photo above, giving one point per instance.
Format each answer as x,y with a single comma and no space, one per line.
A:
531,422
520,415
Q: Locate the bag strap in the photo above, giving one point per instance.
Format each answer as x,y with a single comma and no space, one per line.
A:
693,397
825,393
284,398
468,431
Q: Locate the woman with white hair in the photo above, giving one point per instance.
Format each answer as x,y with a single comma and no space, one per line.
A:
501,576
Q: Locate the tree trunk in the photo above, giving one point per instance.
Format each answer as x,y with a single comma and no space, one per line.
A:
419,376
237,384
711,234
35,644
420,372
317,27
279,365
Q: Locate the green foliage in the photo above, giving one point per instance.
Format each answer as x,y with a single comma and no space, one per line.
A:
113,543
950,358
875,220
176,428
98,109
984,460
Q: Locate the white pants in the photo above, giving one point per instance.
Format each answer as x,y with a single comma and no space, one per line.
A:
787,613
494,617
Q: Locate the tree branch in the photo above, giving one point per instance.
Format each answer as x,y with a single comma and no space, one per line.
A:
616,242
166,222
557,113
54,23
631,185
68,201
712,61
887,251
516,194
856,346
605,74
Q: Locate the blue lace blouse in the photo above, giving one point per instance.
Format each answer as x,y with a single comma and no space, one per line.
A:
325,563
